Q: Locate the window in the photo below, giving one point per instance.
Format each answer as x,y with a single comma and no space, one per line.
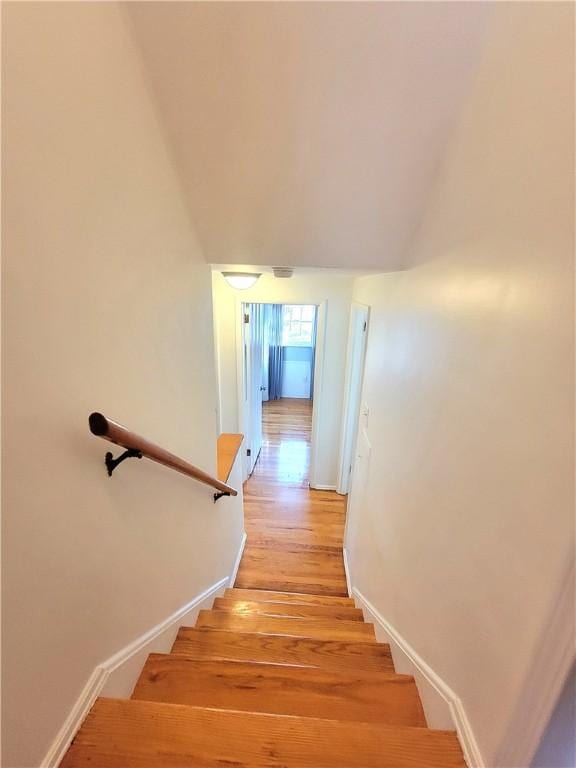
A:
298,325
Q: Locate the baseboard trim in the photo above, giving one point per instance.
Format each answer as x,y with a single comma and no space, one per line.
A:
76,717
102,672
347,571
462,725
321,487
232,578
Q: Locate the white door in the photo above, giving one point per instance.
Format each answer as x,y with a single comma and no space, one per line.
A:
354,376
253,350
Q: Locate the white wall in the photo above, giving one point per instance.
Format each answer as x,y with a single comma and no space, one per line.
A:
107,306
307,288
462,531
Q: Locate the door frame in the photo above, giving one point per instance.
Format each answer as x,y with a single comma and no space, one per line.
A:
321,311
244,389
352,399
243,421
241,385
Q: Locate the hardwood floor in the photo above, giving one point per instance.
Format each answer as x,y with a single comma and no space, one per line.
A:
295,534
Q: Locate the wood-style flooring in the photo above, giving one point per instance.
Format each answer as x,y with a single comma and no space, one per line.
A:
294,533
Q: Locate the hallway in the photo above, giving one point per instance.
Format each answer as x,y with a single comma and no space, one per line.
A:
295,534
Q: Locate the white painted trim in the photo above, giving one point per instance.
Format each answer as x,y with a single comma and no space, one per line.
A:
545,678
462,725
321,487
243,422
343,480
128,651
102,672
349,426
318,402
74,720
347,571
217,358
232,578
354,484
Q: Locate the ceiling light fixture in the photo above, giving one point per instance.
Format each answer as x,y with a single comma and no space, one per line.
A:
283,271
241,280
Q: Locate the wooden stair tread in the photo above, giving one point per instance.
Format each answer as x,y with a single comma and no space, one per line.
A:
282,690
315,531
264,513
300,583
320,573
294,542
141,734
324,629
295,610
278,649
287,597
314,561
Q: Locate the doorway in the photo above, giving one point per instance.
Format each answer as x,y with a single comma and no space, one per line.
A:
278,371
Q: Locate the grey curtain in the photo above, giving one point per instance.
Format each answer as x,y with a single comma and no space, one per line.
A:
275,351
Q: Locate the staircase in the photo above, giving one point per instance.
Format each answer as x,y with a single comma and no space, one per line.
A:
268,679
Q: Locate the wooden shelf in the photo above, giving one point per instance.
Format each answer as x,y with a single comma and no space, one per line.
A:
226,451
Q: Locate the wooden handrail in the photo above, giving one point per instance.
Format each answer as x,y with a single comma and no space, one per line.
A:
138,446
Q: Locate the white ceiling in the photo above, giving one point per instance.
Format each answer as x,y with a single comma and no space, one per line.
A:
308,133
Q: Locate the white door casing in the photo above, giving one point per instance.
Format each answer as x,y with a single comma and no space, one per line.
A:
253,336
356,354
